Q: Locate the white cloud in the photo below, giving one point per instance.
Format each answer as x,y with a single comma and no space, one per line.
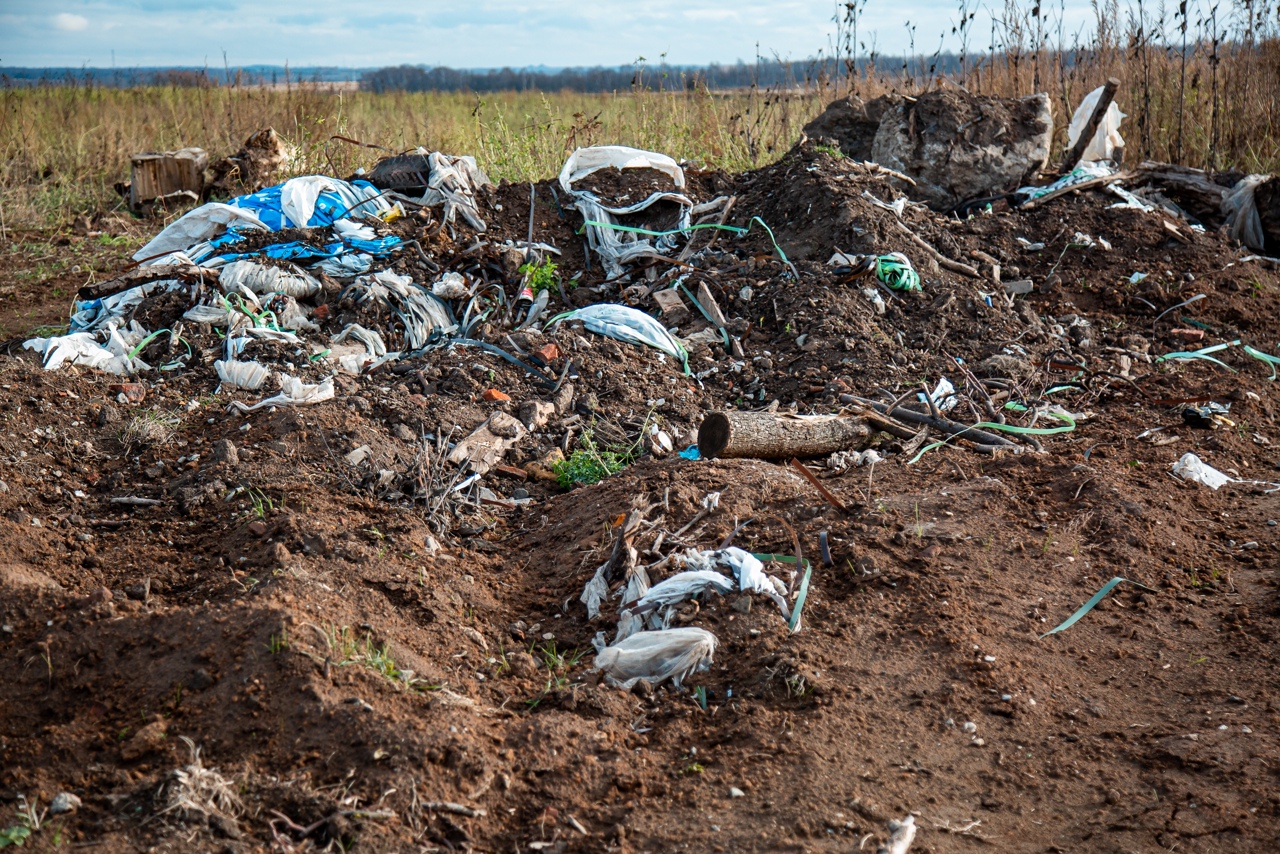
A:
70,23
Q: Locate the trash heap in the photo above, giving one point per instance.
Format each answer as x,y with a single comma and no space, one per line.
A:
807,342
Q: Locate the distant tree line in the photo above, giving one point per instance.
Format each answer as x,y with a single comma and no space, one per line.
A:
417,78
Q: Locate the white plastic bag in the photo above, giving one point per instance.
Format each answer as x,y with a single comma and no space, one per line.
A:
1194,469
655,656
1107,139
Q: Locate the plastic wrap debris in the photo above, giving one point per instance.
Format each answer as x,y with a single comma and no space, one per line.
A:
426,317
92,314
1210,416
1107,138
842,461
1131,202
246,375
896,272
654,657
627,324
198,226
1085,171
82,348
616,248
943,396
440,178
451,286
311,201
293,392
1238,206
681,587
210,314
264,279
1196,470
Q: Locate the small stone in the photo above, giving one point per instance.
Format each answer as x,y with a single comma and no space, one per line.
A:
978,742
522,664
742,605
97,597
64,802
735,792
1272,523
280,554
108,414
535,414
1006,698
224,451
404,434
548,352
129,392
258,528
201,679
1113,797
494,396
358,455
949,722
969,727
147,740
91,562
20,517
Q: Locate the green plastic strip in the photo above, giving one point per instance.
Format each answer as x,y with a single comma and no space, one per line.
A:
723,332
1202,353
1069,424
1270,360
1088,606
794,622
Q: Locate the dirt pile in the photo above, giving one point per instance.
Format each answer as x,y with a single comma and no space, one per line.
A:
368,650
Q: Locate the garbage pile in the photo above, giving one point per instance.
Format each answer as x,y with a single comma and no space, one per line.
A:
421,269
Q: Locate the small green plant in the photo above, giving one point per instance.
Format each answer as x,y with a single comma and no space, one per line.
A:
29,820
541,277
919,524
261,503
278,642
797,686
590,463
700,694
693,768
829,149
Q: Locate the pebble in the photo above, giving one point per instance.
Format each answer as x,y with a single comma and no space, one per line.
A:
977,742
970,727
1006,697
1272,522
735,792
949,722
64,802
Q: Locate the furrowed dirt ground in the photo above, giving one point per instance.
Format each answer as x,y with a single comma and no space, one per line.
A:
369,668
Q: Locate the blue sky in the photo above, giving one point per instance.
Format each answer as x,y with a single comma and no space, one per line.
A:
467,34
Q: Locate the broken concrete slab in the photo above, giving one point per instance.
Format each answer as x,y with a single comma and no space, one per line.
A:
956,146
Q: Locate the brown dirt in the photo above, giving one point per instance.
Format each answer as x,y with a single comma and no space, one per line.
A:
244,621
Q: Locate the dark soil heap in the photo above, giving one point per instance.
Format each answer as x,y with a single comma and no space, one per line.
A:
304,638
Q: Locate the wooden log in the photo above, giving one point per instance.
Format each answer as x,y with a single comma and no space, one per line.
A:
771,436
1091,129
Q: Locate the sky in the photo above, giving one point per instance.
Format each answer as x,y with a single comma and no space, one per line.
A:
466,34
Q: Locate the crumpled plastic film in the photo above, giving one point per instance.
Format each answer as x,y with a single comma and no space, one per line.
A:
616,248
627,324
655,657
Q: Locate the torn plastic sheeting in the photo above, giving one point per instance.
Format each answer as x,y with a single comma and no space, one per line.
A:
198,226
656,656
452,181
627,324
1084,171
82,348
1192,468
680,588
611,245
424,314
943,396
311,201
91,314
294,392
263,279
451,286
736,229
246,375
1238,206
1106,139
371,340
1094,600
